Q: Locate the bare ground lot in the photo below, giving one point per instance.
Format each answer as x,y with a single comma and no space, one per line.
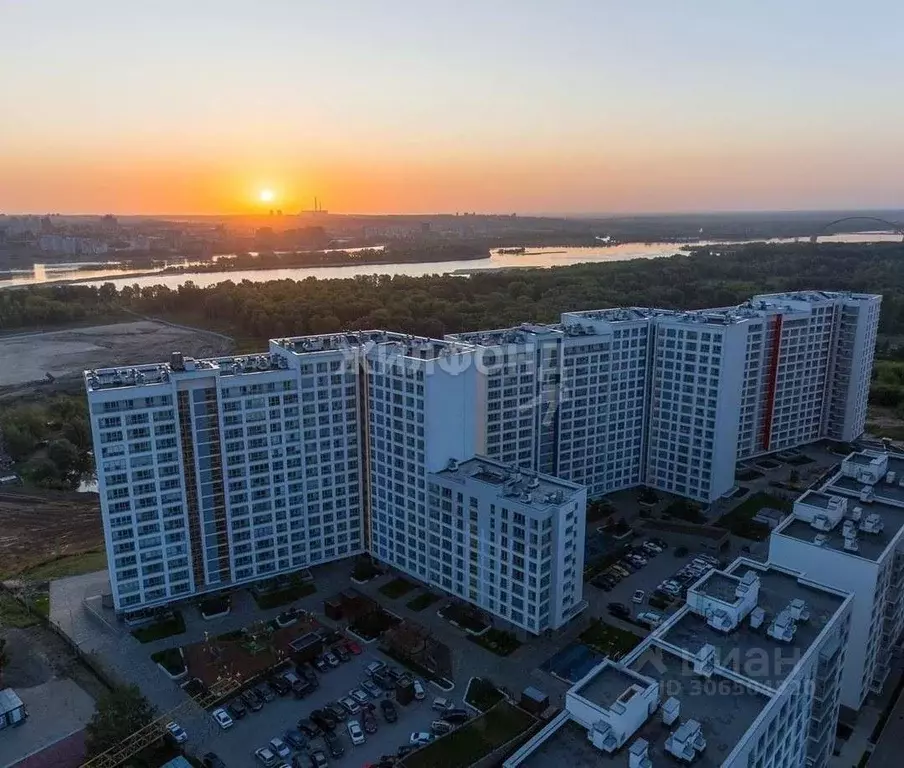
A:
42,525
27,357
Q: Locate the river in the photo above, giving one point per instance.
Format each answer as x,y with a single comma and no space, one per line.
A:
534,257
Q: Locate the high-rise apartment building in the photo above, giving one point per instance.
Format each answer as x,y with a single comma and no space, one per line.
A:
220,472
746,673
850,534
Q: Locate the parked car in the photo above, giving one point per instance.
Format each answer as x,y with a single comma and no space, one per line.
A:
350,704
369,721
419,738
264,692
389,711
441,704
359,695
405,749
457,716
237,708
419,690
619,609
650,618
222,718
354,732
308,674
280,747
266,757
296,739
280,685
176,732
374,666
341,654
301,688
372,688
639,596
330,658
212,760
353,648
323,720
652,549
338,711
441,727
334,745
320,664
315,760
251,701
309,728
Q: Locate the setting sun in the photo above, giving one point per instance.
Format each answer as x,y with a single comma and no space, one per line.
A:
267,195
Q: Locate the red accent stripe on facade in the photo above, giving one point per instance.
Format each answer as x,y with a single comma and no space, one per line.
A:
771,380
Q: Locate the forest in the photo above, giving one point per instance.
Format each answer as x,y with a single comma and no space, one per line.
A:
438,304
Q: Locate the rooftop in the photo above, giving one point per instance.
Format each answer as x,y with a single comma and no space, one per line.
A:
726,711
744,649
521,334
813,297
536,490
610,684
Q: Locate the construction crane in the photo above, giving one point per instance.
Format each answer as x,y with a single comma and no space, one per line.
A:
152,732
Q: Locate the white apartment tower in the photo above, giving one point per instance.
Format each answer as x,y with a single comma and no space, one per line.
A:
220,472
746,673
850,534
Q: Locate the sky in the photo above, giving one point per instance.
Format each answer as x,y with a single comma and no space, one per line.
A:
400,106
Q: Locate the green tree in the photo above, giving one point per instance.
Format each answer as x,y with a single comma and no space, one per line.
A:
4,657
20,443
77,432
64,455
118,714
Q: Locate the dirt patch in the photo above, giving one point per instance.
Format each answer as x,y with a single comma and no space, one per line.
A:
67,353
38,526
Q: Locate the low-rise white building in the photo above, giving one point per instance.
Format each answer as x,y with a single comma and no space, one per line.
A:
747,673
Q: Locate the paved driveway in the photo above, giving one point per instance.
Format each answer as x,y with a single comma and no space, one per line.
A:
235,746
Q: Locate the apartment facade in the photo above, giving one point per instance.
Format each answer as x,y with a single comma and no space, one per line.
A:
746,673
221,472
850,534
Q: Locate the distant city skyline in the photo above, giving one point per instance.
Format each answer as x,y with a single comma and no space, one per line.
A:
581,107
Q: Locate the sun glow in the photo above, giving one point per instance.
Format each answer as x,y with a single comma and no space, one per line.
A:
266,195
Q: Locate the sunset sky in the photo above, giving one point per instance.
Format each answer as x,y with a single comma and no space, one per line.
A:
196,106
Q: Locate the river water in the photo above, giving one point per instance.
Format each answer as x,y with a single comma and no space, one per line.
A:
534,257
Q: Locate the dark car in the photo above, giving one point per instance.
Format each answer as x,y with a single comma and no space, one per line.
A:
341,653
320,664
334,744
280,685
264,692
252,701
308,728
619,609
324,720
309,674
389,711
237,708
317,760
295,739
337,711
404,750
301,688
369,722
456,716
210,760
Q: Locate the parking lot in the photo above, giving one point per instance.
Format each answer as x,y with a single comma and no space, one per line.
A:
236,745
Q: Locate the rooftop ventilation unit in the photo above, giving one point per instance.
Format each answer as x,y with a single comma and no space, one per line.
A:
866,494
851,544
782,627
687,742
534,483
820,539
603,737
849,530
452,465
799,610
890,477
856,514
705,660
670,709
872,523
720,620
822,523
757,617
639,755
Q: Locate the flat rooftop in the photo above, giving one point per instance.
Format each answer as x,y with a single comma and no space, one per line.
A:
721,586
509,482
724,709
608,686
749,651
521,334
816,499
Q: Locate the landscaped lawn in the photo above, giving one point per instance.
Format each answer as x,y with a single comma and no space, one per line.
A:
473,741
283,596
464,616
799,461
14,614
482,694
740,520
499,642
746,475
612,641
371,625
68,565
174,625
170,660
422,601
396,588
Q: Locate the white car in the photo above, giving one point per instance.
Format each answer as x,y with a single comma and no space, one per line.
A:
222,718
355,733
638,596
266,757
650,618
280,747
359,695
419,690
177,732
418,739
